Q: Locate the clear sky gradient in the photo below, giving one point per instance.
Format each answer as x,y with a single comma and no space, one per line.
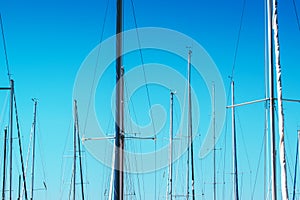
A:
47,41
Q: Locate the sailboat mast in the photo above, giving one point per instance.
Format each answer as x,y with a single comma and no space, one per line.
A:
80,166
4,163
296,163
79,151
214,139
271,97
188,173
11,137
190,134
234,152
119,140
170,189
191,128
74,151
284,188
33,148
189,139
76,137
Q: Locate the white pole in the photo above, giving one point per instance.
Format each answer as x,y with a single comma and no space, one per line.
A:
271,95
284,189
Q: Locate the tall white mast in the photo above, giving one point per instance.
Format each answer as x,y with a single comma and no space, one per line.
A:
271,96
284,189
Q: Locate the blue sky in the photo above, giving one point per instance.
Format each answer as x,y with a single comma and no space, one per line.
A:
47,42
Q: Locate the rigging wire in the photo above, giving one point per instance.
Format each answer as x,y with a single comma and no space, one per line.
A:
259,159
27,157
64,163
19,139
225,149
95,69
266,125
182,139
234,62
147,88
108,176
226,130
296,13
106,180
5,49
41,152
139,184
244,145
143,65
288,163
28,151
4,110
201,171
176,179
140,147
238,40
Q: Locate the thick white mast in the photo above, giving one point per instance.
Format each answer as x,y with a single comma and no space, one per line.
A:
271,96
284,189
